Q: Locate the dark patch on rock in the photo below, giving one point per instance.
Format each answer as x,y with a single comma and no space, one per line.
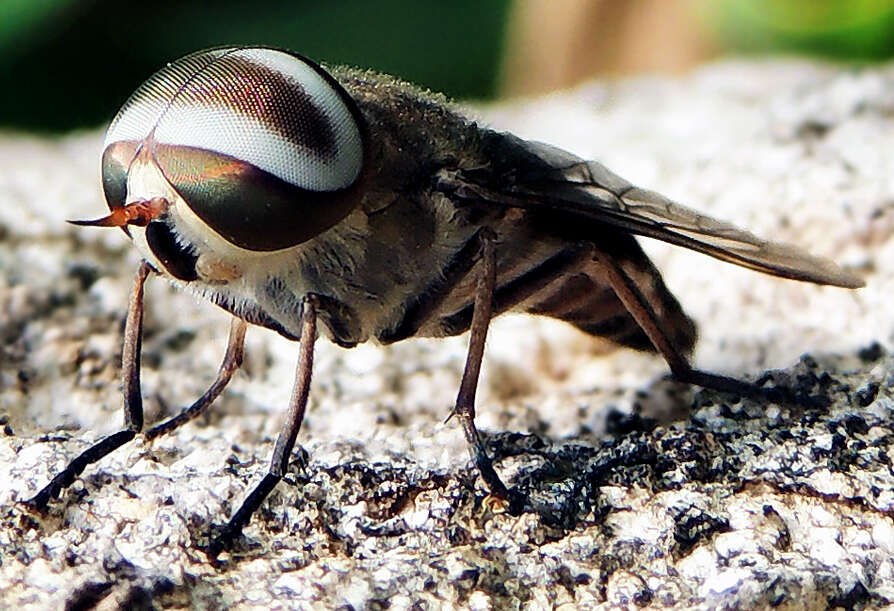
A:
692,526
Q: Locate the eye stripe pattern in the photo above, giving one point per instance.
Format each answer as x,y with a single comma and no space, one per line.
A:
239,86
301,129
141,111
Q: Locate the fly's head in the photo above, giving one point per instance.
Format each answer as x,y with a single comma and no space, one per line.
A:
228,155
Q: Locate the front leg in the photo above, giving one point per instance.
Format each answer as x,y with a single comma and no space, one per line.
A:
133,400
286,441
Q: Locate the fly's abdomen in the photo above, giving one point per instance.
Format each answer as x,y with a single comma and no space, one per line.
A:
561,279
584,298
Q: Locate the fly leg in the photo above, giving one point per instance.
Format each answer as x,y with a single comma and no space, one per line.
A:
133,403
465,399
644,314
489,301
286,441
231,362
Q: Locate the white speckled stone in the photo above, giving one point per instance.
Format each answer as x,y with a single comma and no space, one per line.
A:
717,503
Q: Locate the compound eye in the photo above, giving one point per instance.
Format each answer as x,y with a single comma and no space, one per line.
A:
116,160
264,146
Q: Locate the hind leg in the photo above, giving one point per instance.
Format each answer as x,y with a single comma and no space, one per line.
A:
644,314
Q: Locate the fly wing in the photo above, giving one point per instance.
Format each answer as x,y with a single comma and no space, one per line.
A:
535,175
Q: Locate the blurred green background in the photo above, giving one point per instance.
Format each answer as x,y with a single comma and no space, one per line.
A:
71,63
838,29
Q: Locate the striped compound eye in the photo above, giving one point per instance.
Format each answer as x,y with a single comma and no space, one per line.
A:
264,146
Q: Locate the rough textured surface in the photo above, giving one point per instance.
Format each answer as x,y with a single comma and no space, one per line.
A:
633,500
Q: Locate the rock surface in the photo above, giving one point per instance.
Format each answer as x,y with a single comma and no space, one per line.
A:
642,492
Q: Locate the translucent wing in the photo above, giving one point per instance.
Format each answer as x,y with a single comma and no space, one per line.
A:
536,175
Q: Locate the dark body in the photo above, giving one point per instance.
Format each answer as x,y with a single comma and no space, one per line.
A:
396,268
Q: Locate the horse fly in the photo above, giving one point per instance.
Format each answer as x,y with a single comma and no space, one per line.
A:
297,197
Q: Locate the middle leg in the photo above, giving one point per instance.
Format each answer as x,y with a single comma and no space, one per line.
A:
491,300
465,399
